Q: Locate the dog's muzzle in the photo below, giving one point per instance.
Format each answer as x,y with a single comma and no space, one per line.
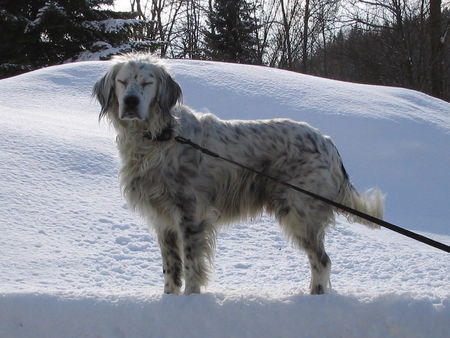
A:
130,111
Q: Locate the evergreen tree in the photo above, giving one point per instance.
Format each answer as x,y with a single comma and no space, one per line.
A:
39,33
15,45
232,35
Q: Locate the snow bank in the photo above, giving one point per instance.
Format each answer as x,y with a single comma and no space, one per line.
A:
75,262
216,315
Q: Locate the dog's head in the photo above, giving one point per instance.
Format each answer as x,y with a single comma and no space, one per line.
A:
136,87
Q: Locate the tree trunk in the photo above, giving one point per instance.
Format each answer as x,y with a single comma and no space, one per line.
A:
305,38
437,55
287,37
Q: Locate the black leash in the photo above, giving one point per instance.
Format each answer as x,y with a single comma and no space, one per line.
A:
355,212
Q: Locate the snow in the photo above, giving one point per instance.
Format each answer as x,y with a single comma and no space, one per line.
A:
48,7
75,262
112,25
102,50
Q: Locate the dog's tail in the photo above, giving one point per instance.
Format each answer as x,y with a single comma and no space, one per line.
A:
370,202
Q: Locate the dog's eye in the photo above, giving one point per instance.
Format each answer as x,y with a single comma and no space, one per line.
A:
122,82
144,84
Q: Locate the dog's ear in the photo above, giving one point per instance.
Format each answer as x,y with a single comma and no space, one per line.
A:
104,91
169,92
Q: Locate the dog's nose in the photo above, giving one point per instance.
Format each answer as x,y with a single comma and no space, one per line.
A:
131,101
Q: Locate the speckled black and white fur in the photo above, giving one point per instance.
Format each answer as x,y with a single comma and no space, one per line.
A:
186,195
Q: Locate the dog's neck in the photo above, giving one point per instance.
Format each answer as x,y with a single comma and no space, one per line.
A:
164,135
139,148
155,130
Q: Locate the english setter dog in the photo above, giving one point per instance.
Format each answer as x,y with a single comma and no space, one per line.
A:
185,195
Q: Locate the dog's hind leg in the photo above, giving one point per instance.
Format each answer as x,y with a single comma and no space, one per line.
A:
172,262
308,234
320,264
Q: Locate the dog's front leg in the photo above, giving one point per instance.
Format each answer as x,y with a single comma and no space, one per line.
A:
172,263
196,249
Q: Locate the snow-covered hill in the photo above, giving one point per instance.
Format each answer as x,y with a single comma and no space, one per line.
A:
74,262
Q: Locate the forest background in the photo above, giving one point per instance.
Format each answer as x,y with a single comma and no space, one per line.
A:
385,42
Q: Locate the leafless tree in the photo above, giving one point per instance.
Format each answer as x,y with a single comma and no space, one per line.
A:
437,39
162,16
403,42
189,27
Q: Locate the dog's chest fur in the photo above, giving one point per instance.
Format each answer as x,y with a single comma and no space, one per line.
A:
144,174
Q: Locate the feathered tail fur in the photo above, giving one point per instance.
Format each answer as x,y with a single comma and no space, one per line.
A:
370,202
